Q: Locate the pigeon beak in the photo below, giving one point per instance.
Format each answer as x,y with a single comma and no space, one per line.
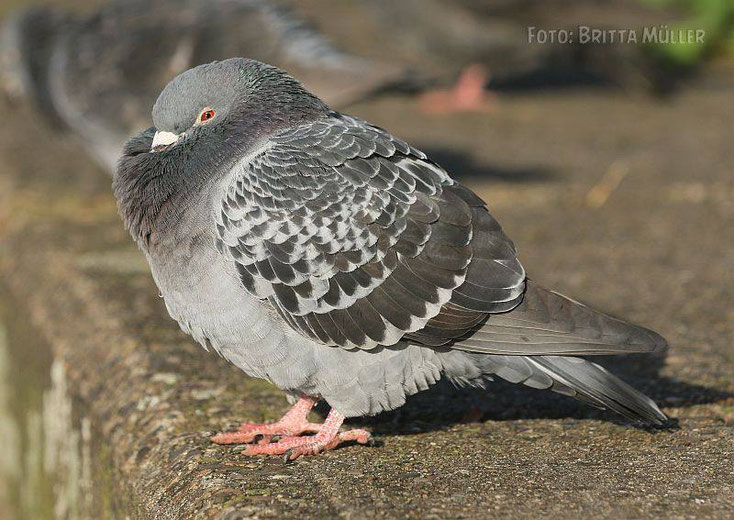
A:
163,139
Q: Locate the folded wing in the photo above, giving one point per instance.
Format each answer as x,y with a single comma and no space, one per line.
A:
358,240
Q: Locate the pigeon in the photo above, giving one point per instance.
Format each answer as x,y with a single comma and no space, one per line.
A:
499,38
98,74
319,252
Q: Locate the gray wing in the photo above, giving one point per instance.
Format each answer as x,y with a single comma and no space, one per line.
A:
358,239
548,323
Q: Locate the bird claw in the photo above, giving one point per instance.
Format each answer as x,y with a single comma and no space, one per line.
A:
292,423
374,443
293,447
286,437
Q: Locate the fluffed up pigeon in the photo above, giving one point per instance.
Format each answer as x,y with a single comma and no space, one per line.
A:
317,251
97,75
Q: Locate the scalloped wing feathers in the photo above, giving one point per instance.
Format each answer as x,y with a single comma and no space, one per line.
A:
358,239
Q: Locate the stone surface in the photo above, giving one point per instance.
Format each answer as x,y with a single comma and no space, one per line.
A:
624,203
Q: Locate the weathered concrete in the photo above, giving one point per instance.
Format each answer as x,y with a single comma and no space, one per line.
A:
623,203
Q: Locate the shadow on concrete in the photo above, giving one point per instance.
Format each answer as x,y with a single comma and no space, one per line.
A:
464,167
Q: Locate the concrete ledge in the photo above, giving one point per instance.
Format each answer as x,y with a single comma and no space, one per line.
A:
145,398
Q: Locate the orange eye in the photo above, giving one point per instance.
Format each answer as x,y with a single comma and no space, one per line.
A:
207,115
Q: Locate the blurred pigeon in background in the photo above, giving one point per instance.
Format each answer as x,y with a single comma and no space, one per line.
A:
321,253
484,42
98,74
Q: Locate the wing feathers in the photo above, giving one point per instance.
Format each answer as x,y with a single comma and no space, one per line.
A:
547,323
358,240
327,215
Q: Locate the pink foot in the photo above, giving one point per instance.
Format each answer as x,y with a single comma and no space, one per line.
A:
467,95
293,423
327,438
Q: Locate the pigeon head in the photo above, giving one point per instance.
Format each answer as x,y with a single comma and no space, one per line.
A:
235,99
206,119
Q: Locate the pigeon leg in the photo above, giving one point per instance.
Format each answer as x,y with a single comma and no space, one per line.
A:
327,438
467,95
293,423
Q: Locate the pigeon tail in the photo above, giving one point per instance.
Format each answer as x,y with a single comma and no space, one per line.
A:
594,385
571,376
533,344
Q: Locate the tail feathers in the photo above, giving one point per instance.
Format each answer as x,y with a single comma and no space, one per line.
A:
596,385
576,377
548,323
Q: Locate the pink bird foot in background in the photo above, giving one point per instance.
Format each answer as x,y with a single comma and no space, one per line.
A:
469,94
289,428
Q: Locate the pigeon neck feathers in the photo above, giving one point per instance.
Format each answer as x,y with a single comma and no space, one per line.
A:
154,189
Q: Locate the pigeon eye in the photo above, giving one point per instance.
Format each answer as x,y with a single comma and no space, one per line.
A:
206,115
